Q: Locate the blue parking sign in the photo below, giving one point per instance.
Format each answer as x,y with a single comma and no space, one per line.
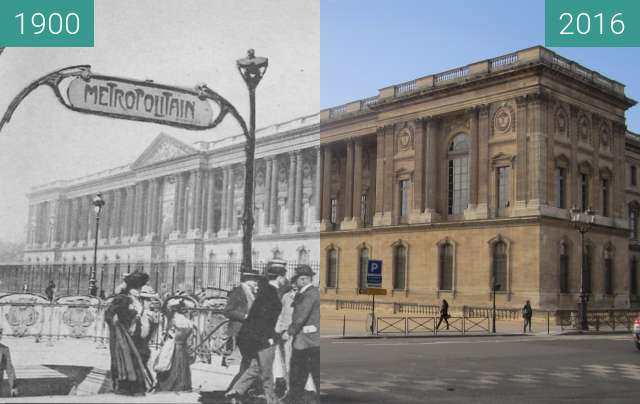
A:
374,274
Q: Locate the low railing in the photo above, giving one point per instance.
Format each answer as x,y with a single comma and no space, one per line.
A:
501,313
503,61
368,102
337,111
451,74
429,325
413,308
599,320
406,87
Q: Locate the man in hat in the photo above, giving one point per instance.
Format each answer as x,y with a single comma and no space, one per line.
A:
239,303
305,331
257,339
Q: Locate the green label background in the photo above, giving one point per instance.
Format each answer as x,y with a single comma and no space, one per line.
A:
10,25
630,10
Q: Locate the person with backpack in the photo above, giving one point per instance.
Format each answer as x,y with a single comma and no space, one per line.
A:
527,313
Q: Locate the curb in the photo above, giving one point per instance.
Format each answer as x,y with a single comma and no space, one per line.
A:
428,336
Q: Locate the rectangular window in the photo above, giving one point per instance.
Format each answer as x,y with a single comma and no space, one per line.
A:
634,178
404,198
502,180
561,187
633,224
608,276
334,210
584,192
633,277
605,197
450,193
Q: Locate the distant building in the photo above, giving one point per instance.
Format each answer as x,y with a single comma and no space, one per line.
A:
459,178
183,203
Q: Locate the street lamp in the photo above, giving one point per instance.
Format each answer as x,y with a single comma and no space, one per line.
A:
252,69
583,221
98,203
495,286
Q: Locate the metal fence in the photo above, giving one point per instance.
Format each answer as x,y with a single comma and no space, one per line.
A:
428,325
599,320
167,278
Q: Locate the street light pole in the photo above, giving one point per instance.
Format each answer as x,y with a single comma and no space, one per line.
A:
98,203
583,227
252,69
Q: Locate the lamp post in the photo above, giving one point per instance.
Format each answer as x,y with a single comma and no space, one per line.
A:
98,203
495,287
252,69
583,225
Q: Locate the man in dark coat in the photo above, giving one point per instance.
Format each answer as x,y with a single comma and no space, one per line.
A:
7,366
305,331
256,340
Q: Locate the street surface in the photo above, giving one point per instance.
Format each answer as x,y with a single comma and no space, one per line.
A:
520,369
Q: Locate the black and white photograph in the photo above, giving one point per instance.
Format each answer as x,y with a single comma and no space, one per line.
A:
159,217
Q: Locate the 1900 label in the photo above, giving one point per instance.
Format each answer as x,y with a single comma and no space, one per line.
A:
46,23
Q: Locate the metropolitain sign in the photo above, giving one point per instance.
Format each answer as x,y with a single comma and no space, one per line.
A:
145,101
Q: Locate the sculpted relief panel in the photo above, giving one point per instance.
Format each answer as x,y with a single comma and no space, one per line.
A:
504,119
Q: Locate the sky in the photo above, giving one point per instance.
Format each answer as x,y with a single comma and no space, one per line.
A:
171,42
370,44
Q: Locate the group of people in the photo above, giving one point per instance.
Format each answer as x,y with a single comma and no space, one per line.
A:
133,316
276,324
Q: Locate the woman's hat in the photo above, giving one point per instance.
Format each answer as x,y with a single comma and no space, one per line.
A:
136,279
277,267
176,303
250,276
147,292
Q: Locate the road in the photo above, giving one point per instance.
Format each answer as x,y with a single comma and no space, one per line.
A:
535,369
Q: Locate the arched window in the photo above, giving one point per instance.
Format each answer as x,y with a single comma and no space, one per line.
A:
564,268
399,267
362,265
332,268
499,275
608,270
458,174
446,267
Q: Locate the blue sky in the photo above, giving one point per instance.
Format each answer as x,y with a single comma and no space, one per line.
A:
369,44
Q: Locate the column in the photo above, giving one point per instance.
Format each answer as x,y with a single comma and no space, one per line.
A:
114,232
139,211
484,182
130,211
389,182
326,188
378,217
273,203
202,203
538,169
185,204
357,185
431,170
106,216
151,210
177,198
317,183
158,217
418,170
348,192
223,203
298,191
234,175
291,188
194,208
87,218
66,215
521,153
267,193
210,202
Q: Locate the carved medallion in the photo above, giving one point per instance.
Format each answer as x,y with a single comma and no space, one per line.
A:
78,319
503,120
405,139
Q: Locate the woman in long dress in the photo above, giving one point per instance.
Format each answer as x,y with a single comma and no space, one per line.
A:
180,328
129,373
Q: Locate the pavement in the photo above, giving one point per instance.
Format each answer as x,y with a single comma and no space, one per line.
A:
524,369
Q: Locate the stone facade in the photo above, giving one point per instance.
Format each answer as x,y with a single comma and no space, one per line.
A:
459,178
178,202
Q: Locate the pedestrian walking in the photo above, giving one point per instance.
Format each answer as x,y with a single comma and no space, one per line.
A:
239,303
305,331
129,373
444,314
179,329
50,291
527,313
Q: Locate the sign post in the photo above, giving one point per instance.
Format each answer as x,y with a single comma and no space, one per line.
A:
374,280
